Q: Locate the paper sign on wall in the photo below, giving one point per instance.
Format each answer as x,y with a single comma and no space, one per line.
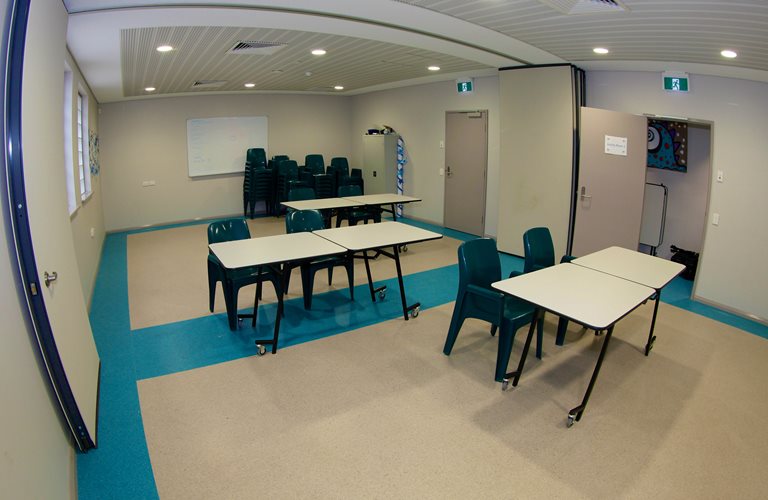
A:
615,145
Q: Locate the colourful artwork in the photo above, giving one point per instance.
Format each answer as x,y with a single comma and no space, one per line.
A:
668,145
93,153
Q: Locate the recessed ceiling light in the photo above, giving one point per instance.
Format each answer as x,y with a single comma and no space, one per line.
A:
250,85
600,50
150,89
730,54
433,68
339,87
318,52
164,48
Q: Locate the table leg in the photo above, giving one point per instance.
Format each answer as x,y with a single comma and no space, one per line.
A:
260,343
577,412
651,337
413,309
515,375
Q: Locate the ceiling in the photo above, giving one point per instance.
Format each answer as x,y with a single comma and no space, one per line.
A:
377,44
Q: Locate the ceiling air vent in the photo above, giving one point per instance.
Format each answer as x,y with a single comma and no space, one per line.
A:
256,48
585,6
208,84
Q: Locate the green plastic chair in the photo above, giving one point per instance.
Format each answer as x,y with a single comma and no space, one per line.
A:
355,215
232,280
479,266
311,220
540,253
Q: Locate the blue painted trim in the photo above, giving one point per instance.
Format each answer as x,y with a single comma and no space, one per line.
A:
22,233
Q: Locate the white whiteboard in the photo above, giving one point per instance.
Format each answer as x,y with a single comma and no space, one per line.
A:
218,145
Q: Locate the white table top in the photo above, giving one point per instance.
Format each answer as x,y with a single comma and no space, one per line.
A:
320,204
631,265
593,298
383,234
382,199
273,249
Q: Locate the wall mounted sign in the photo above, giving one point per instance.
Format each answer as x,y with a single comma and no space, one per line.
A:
615,145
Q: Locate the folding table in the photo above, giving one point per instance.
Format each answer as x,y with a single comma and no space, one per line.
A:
274,252
593,298
377,237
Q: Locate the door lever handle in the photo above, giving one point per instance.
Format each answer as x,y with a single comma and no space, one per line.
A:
448,171
583,194
49,278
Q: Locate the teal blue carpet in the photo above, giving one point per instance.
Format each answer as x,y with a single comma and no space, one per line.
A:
120,468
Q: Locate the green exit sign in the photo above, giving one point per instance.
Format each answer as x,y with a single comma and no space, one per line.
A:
465,86
676,83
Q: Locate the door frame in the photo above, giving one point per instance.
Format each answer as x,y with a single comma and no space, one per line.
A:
485,166
17,214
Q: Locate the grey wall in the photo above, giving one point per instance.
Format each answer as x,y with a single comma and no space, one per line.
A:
147,140
731,273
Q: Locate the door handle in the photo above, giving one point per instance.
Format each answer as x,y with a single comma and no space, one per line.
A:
49,278
583,194
448,171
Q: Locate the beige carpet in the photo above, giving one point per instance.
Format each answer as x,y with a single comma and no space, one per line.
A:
168,281
381,413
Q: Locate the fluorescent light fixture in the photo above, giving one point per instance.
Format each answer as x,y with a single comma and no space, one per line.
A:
250,85
150,89
318,52
730,54
339,87
600,50
433,68
164,48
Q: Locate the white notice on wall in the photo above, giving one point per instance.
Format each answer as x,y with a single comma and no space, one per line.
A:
615,145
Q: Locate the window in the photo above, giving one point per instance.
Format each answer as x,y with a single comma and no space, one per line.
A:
69,142
83,163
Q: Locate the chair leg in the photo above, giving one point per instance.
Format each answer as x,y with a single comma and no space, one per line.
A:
256,303
230,298
505,349
493,330
457,319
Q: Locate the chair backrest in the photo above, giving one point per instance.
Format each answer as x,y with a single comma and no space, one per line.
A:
538,248
341,164
256,157
228,230
350,190
301,193
299,221
348,180
315,164
323,186
288,167
479,263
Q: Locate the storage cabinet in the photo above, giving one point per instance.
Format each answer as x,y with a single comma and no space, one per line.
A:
380,163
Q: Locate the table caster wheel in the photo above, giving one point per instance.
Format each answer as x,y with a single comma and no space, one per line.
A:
414,312
239,321
504,385
382,294
262,350
571,419
404,248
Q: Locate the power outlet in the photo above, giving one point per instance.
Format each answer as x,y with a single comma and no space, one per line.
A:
147,183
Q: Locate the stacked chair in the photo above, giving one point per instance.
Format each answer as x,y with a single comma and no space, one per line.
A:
256,181
287,177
